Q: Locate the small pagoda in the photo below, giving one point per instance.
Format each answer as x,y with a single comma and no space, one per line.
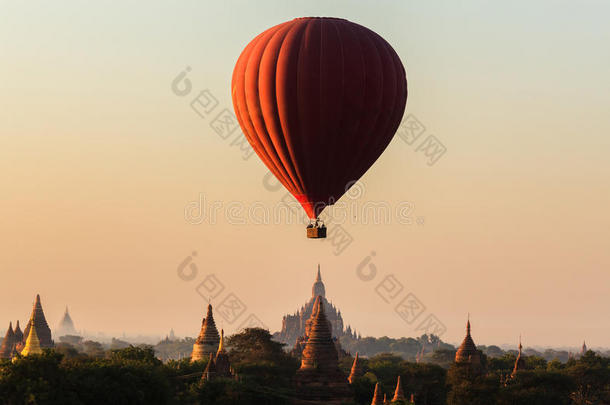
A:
8,344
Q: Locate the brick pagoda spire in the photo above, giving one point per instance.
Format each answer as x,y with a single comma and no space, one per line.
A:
319,379
377,399
399,394
32,343
40,323
8,344
467,352
223,366
208,339
519,362
210,370
356,370
320,351
18,334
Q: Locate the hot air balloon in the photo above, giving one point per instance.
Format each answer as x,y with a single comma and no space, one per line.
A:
319,99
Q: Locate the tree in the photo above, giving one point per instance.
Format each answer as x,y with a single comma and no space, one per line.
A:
591,376
470,387
536,387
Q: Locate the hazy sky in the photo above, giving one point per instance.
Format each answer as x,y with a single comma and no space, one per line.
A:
99,159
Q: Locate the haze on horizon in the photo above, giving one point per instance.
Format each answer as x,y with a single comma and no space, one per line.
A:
100,159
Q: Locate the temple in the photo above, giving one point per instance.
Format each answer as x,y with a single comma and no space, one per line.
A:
294,326
208,340
39,322
319,380
66,326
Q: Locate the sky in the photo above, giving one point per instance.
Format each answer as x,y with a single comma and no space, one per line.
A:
111,180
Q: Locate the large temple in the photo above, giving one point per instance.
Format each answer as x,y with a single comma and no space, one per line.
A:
294,326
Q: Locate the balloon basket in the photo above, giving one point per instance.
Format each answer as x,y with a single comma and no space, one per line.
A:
316,231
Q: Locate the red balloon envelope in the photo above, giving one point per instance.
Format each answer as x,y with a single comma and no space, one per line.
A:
319,99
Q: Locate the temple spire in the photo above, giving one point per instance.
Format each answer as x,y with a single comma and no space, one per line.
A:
319,378
32,343
223,366
520,361
356,370
208,340
320,350
8,343
318,286
520,345
210,370
377,400
39,322
221,348
467,352
399,394
66,325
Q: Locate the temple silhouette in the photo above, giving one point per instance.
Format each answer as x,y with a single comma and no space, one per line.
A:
295,326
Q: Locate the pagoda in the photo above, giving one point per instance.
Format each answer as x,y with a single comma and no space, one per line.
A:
319,380
39,322
467,352
66,326
8,344
208,339
18,334
223,366
32,343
